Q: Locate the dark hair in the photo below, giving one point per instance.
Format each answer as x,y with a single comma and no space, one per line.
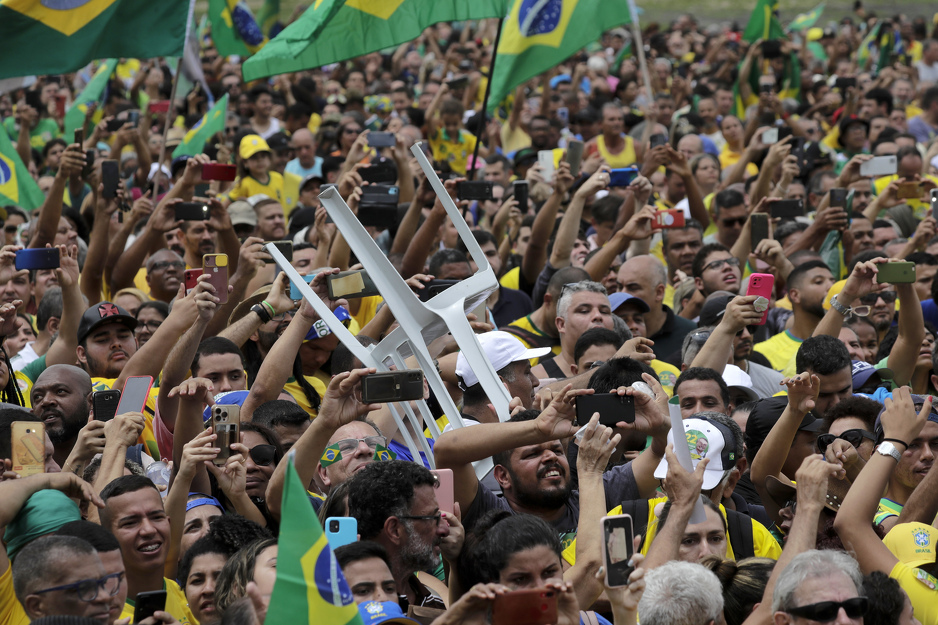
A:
725,199
342,357
92,533
666,511
503,457
929,97
919,258
699,264
861,408
704,373
606,209
37,560
268,435
360,550
203,546
7,417
595,336
475,395
496,537
823,354
121,486
481,236
382,490
619,372
50,306
565,276
797,275
214,345
882,97
788,228
257,92
231,532
689,224
445,257
743,584
158,306
279,412
336,503
885,596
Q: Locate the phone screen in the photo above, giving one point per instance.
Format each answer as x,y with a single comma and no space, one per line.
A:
134,394
617,549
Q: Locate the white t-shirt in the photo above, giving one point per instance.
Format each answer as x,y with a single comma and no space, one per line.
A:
26,356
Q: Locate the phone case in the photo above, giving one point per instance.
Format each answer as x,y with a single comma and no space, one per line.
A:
520,190
535,606
216,266
879,166
37,258
285,247
612,408
575,156
135,394
758,229
110,178
622,177
381,140
191,278
105,404
219,171
761,284
474,190
669,219
295,294
908,190
392,386
545,158
896,273
617,547
191,211
838,197
787,209
934,203
445,493
28,440
226,419
341,531
146,604
351,284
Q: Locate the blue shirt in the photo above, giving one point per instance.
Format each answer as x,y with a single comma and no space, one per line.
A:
294,167
403,452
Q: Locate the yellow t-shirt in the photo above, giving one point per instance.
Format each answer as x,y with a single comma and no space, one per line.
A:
729,158
291,192
764,544
512,279
176,604
780,349
246,187
525,323
921,588
625,158
512,141
456,151
920,208
11,612
318,381
26,390
147,437
367,310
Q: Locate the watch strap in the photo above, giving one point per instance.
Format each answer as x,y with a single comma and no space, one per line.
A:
888,449
836,305
261,312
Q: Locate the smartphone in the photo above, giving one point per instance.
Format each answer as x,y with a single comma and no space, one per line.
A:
34,99
162,106
658,140
381,171
545,158
766,87
787,209
79,137
900,272
37,258
839,198
295,294
880,166
219,171
216,266
575,156
520,192
28,440
758,228
226,419
285,248
844,83
673,218
351,284
110,178
113,125
535,606
378,206
770,136
191,211
341,531
479,190
761,284
908,190
771,49
146,604
445,493
617,547
622,177
134,118
135,393
612,408
381,140
434,288
934,203
90,156
391,386
104,404
191,278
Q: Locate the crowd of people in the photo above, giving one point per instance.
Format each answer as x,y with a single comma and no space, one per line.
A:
727,247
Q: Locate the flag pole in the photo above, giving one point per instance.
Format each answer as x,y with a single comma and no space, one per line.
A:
170,112
640,49
471,175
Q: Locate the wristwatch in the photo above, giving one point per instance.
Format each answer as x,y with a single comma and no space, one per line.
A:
261,312
836,305
888,449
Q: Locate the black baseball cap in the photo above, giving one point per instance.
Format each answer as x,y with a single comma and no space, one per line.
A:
711,313
764,417
103,313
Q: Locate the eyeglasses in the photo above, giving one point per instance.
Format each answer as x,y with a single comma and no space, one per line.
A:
734,221
263,455
349,445
827,611
166,264
791,504
352,131
854,437
10,229
700,337
716,264
887,296
88,589
436,518
149,326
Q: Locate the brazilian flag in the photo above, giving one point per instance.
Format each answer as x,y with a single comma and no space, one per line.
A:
763,24
804,21
537,36
234,29
93,92
211,123
17,188
310,587
59,36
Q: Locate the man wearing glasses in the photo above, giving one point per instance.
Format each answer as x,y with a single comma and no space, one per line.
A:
164,275
820,587
730,213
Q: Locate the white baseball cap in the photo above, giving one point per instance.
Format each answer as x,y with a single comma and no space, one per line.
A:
706,439
737,378
502,349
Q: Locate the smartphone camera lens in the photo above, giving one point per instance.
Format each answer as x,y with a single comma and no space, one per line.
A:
333,526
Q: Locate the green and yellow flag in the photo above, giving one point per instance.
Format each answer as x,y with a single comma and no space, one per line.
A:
537,36
234,29
93,92
17,188
335,30
310,587
763,22
59,36
805,21
268,18
212,122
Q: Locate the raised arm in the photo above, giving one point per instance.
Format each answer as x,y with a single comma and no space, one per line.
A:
695,202
162,220
638,228
904,353
71,164
860,282
121,433
570,222
536,253
62,350
93,270
717,351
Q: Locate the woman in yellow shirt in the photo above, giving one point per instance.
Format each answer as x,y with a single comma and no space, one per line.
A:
732,130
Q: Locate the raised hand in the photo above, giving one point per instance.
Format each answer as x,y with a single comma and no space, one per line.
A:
803,390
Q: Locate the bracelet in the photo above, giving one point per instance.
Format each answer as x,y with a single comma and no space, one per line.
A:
269,307
896,440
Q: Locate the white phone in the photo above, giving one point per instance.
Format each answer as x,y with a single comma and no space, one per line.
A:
880,166
545,158
770,136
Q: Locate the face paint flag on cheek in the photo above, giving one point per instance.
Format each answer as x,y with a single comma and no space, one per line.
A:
330,456
383,453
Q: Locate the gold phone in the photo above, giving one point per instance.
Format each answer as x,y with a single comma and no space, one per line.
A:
29,447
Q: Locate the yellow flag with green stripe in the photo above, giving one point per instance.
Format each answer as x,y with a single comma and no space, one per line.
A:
310,588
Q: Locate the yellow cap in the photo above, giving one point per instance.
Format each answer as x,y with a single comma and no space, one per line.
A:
251,145
912,543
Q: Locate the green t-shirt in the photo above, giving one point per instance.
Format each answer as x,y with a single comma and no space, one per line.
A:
45,131
34,369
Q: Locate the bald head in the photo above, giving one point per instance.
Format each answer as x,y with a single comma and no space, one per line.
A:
76,377
304,145
644,277
61,398
690,146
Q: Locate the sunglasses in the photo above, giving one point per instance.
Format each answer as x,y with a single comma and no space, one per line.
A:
827,611
854,437
716,264
737,221
887,296
352,131
263,455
